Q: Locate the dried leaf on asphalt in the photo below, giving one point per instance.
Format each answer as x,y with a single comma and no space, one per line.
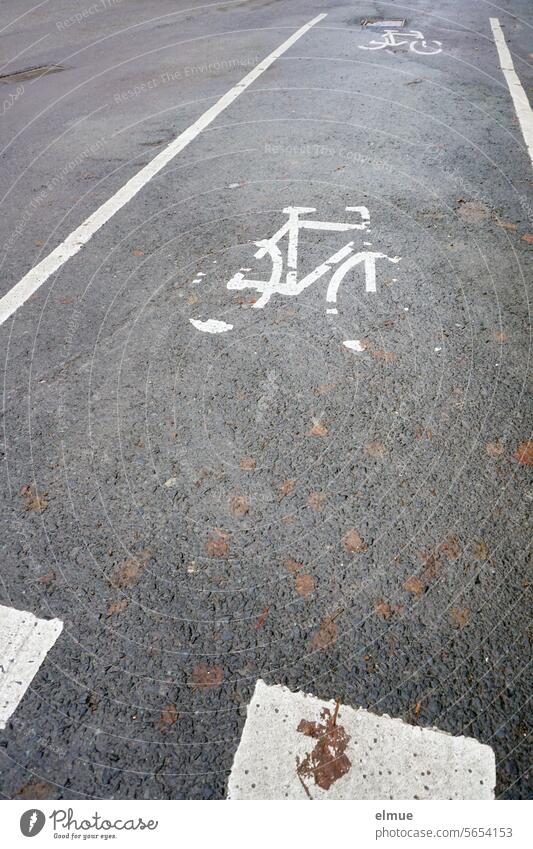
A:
528,237
316,501
383,610
327,762
261,619
93,702
36,502
481,551
138,252
217,544
48,579
169,715
117,606
128,574
205,677
327,634
248,463
375,449
304,584
524,453
472,211
293,565
460,616
450,548
353,542
324,388
36,790
505,225
494,449
500,336
239,506
414,585
318,429
285,488
384,356
432,566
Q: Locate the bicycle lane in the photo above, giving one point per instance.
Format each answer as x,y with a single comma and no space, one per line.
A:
275,477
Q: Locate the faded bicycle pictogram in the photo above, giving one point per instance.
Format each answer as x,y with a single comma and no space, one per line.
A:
397,38
282,249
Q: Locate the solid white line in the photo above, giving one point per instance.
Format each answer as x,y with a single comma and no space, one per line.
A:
520,100
79,237
24,644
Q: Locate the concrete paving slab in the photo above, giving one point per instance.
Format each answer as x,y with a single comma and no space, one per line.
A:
295,746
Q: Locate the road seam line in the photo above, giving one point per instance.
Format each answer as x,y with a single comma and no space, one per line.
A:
519,97
31,281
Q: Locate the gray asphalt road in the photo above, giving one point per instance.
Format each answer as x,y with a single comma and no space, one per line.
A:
195,506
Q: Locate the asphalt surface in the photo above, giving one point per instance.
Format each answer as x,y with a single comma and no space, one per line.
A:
183,501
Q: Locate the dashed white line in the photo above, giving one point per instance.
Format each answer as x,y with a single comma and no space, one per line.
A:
24,643
79,237
520,99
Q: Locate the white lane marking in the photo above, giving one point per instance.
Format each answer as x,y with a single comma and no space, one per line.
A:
211,325
281,754
79,237
353,345
24,643
520,100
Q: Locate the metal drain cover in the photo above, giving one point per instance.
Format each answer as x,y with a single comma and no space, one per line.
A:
377,23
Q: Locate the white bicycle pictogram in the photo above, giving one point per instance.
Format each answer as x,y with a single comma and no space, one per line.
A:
414,38
285,281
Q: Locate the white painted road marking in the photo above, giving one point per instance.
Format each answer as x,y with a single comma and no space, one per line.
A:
285,281
24,643
211,325
79,237
397,38
354,345
288,284
520,99
281,756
